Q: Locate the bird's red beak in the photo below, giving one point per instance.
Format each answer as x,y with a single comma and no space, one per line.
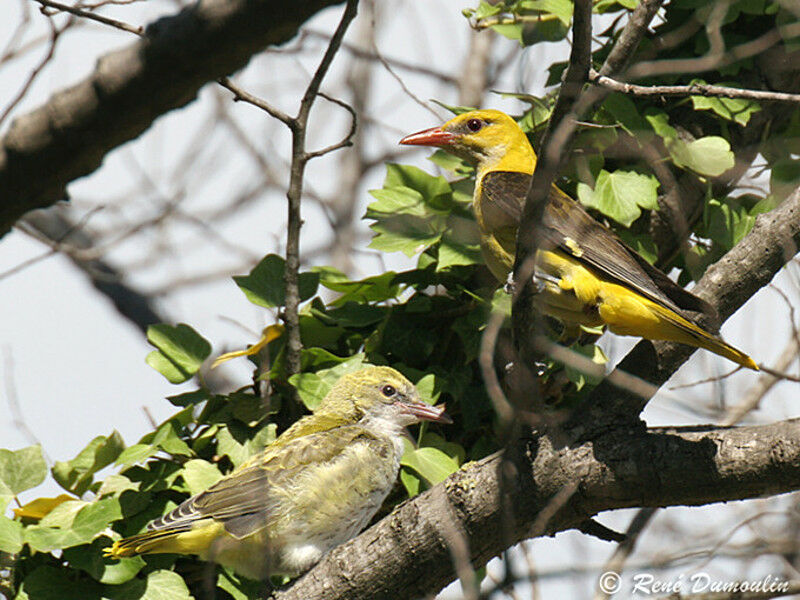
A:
435,136
426,412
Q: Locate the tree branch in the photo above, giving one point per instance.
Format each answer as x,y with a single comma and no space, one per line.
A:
694,89
406,555
68,137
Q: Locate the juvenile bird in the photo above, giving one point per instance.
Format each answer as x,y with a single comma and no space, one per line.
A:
313,488
585,273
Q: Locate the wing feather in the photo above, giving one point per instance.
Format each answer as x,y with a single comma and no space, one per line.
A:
245,500
568,227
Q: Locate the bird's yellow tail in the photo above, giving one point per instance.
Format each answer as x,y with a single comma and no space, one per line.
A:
689,333
151,542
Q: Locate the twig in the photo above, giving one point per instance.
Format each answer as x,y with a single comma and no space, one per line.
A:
13,402
623,551
348,139
85,14
54,35
556,139
693,89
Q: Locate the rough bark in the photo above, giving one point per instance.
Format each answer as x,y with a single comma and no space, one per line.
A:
406,556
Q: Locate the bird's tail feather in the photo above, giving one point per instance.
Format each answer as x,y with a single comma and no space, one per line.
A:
697,336
145,543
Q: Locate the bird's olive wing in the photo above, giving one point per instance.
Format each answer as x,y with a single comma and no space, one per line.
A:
568,227
247,499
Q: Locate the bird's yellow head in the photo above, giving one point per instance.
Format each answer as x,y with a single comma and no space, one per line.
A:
489,139
379,392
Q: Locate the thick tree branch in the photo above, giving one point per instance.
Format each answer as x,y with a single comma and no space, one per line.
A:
406,555
68,137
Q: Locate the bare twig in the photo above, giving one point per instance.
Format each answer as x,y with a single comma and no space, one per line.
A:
85,14
765,383
623,551
55,32
693,89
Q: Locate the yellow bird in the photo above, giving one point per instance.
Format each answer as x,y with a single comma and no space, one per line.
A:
586,274
312,489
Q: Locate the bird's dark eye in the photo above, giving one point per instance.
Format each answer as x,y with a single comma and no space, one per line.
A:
388,391
474,124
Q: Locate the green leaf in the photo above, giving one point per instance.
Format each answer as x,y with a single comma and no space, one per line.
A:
313,387
11,537
115,484
411,481
454,250
431,463
710,155
659,121
727,222
371,289
161,585
560,8
136,453
430,187
620,195
199,475
354,314
180,351
625,112
52,583
733,109
189,398
486,10
408,235
22,469
240,588
512,31
265,286
77,474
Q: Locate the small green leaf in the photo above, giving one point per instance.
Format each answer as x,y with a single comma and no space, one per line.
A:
659,121
456,252
77,475
22,469
408,235
738,110
240,588
180,351
727,222
165,585
11,537
560,8
430,187
199,475
313,387
431,463
411,481
620,195
710,155
265,285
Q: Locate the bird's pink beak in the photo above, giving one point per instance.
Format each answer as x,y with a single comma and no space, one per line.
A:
435,136
426,412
